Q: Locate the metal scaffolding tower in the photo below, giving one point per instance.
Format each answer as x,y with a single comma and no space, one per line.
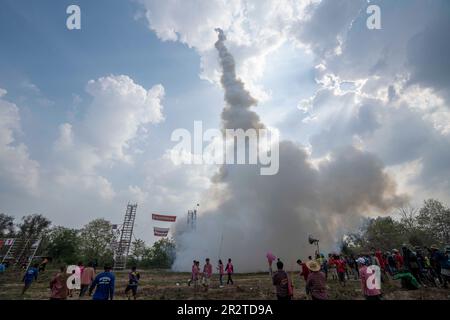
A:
192,217
122,247
22,252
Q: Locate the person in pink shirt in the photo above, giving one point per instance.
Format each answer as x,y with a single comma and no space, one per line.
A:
370,291
195,273
230,270
87,276
192,273
207,273
221,272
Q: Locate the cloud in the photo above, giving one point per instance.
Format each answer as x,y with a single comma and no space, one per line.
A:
254,29
401,110
119,110
17,170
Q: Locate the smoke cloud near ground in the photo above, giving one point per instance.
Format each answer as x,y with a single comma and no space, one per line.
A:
247,214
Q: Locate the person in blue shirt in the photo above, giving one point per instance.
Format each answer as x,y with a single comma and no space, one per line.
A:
30,275
2,268
105,285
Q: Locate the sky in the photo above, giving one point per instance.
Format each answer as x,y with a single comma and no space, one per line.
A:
86,115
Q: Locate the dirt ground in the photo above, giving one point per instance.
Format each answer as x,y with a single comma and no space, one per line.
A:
162,284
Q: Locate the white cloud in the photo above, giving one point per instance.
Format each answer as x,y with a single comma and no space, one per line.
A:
254,30
17,170
119,109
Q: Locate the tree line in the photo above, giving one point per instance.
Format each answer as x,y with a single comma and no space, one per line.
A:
92,243
415,227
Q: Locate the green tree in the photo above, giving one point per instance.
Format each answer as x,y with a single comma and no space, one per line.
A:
95,241
415,234
64,245
33,226
384,233
160,255
6,225
138,250
434,218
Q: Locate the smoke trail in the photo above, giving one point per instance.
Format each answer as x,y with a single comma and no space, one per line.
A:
259,213
237,113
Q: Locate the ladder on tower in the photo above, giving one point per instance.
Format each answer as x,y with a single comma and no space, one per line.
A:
122,247
22,252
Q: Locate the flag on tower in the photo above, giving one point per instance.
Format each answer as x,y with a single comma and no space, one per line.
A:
160,232
163,217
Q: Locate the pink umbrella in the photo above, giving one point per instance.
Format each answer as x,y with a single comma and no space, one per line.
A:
270,257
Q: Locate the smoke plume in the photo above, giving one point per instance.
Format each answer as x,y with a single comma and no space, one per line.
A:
248,214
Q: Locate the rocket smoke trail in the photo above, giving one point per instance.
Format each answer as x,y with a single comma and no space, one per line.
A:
237,113
258,213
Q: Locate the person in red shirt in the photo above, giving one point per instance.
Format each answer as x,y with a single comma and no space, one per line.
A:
305,270
398,259
340,268
380,258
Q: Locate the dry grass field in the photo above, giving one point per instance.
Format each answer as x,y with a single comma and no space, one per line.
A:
163,284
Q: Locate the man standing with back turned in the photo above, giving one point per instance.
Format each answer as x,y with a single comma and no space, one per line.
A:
105,285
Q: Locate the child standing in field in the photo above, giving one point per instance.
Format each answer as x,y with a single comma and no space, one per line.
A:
196,274
30,275
192,273
230,270
207,273
133,281
221,272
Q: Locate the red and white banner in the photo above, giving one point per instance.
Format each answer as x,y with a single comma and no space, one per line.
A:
163,217
160,232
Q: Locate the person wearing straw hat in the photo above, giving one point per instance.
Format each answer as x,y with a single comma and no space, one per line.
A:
316,283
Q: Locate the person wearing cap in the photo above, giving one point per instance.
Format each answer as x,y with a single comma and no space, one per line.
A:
369,292
280,280
316,283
